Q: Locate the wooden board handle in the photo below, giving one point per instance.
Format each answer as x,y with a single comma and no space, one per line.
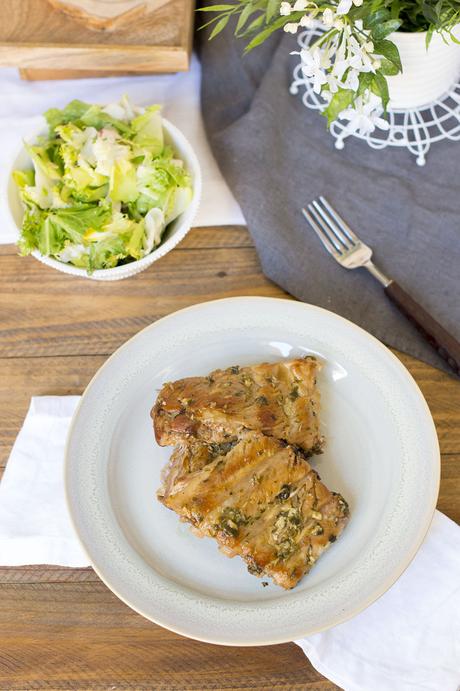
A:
442,341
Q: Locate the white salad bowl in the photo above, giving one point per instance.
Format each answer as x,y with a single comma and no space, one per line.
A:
174,233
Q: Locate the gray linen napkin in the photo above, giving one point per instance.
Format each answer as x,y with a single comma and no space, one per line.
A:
276,156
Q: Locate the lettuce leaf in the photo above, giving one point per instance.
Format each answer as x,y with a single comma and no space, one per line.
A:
75,222
51,237
24,178
148,131
123,182
96,117
73,111
30,231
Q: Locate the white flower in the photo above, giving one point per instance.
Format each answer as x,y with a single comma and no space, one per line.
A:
328,17
332,83
285,9
291,27
307,21
364,116
358,56
300,5
313,63
344,6
352,80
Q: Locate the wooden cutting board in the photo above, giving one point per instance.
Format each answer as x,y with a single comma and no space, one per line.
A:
107,15
48,41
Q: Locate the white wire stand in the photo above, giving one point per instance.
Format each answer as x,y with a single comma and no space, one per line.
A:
414,129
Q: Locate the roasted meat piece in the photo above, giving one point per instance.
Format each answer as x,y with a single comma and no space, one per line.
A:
259,498
281,400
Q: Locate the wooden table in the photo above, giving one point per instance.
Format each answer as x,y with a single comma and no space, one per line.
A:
62,628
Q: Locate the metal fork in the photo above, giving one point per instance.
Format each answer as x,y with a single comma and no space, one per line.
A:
352,253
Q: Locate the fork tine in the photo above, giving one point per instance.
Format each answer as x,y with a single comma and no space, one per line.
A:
339,220
325,228
345,241
324,239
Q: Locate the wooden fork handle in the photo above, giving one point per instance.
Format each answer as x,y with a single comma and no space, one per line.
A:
442,341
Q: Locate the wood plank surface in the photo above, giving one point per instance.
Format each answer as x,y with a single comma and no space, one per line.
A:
48,43
62,628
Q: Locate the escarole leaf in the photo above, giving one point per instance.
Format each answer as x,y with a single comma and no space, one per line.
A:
24,178
72,112
123,183
148,131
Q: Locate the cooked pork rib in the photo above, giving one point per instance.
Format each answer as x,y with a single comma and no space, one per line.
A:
259,498
280,400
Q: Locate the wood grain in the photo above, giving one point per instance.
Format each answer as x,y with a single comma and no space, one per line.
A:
38,75
106,16
61,628
36,36
78,635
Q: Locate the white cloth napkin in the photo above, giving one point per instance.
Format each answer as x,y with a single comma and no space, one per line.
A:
409,640
22,104
35,526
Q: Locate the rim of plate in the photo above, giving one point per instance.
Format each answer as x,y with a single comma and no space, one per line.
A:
378,590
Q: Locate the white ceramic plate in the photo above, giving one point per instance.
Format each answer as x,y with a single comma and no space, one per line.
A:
382,454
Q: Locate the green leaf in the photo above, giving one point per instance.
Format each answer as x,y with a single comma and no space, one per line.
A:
376,18
255,24
95,117
389,51
269,30
24,178
396,8
388,68
340,101
383,30
134,244
429,13
149,130
272,9
73,111
51,238
220,26
429,36
123,182
30,231
243,18
365,81
380,87
77,220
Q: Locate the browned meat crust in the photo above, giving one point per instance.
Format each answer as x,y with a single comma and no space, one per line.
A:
280,400
259,498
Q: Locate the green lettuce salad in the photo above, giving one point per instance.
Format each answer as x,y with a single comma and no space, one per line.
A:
104,185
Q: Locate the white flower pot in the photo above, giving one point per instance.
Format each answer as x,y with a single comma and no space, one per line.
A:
427,74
